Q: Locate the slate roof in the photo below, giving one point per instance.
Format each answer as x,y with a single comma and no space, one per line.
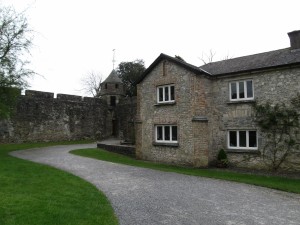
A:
266,60
113,78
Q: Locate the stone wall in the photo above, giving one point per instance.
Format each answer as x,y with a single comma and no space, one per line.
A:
274,86
204,113
126,114
39,116
120,149
192,148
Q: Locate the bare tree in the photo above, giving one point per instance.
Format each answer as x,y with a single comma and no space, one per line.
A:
208,57
228,56
91,83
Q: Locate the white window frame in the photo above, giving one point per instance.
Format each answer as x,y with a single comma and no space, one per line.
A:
163,134
169,93
238,90
238,140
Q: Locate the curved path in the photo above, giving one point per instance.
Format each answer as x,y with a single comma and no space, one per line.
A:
147,197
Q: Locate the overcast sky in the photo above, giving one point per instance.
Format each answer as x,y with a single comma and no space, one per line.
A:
73,37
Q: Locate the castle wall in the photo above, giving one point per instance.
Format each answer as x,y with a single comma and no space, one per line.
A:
126,113
39,116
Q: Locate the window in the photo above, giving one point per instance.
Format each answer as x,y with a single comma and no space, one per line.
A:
113,100
166,134
241,90
242,139
116,86
166,94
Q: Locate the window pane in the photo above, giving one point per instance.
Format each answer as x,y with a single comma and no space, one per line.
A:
167,133
161,94
172,93
252,139
241,89
159,133
174,133
233,91
166,93
232,139
243,140
249,89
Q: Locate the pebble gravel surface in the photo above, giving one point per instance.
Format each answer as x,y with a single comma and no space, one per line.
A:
147,197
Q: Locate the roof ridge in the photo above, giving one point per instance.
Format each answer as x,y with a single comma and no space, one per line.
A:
275,58
184,64
252,55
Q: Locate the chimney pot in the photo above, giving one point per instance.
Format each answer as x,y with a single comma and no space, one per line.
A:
294,39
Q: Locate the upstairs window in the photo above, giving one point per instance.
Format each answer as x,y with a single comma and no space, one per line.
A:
241,90
242,139
166,134
113,100
166,94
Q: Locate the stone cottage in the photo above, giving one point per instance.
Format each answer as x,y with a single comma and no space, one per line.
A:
186,114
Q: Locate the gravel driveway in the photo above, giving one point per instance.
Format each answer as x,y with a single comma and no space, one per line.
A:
147,197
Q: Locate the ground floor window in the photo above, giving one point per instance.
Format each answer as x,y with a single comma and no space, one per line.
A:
242,139
166,133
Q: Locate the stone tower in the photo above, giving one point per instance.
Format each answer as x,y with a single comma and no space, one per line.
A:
112,89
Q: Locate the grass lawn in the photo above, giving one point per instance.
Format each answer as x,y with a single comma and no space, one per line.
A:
275,182
35,194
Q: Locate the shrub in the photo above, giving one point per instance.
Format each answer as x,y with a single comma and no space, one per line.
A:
222,158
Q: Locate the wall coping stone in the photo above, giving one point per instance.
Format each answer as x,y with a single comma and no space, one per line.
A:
120,149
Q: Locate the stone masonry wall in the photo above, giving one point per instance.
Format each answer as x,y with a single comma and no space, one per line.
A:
126,114
275,86
203,114
192,147
41,117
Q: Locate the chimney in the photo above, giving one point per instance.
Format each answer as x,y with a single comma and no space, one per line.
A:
295,39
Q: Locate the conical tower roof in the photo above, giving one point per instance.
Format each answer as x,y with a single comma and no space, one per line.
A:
113,78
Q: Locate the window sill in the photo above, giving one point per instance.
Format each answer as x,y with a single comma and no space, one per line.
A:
247,151
165,103
166,144
241,102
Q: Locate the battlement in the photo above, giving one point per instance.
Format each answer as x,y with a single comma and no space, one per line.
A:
66,97
62,97
38,94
